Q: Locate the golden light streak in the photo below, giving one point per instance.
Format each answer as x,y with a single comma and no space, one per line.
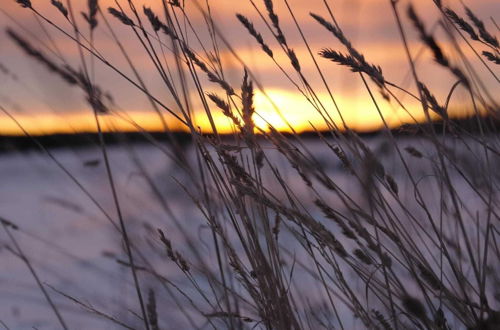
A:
359,114
382,48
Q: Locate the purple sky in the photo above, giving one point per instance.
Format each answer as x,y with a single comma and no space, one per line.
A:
45,103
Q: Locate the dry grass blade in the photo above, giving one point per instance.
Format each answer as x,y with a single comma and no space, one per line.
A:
226,109
247,102
461,23
157,24
429,277
414,307
313,233
381,320
341,37
91,19
293,59
175,3
431,43
60,7
94,95
152,312
330,27
91,309
392,184
276,227
251,29
341,59
8,223
435,106
414,152
375,73
275,21
491,57
330,214
42,58
483,32
227,314
24,3
175,256
438,3
221,104
121,16
363,257
440,320
153,19
427,38
211,76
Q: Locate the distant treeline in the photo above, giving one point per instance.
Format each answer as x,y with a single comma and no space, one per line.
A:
17,143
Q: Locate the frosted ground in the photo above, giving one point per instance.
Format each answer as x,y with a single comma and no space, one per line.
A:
74,248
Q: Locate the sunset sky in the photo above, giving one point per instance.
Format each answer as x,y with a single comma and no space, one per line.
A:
44,104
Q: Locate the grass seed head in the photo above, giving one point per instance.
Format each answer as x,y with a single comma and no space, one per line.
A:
60,7
91,19
24,3
122,17
414,307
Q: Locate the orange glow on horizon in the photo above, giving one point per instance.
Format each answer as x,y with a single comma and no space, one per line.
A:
299,113
282,106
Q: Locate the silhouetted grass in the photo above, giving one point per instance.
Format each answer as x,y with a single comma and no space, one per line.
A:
366,245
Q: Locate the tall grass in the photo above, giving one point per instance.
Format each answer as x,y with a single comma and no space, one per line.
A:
408,241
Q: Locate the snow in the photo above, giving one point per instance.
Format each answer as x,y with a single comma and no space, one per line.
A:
72,245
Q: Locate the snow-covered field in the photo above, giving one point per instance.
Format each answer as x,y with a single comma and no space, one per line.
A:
73,247
65,235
